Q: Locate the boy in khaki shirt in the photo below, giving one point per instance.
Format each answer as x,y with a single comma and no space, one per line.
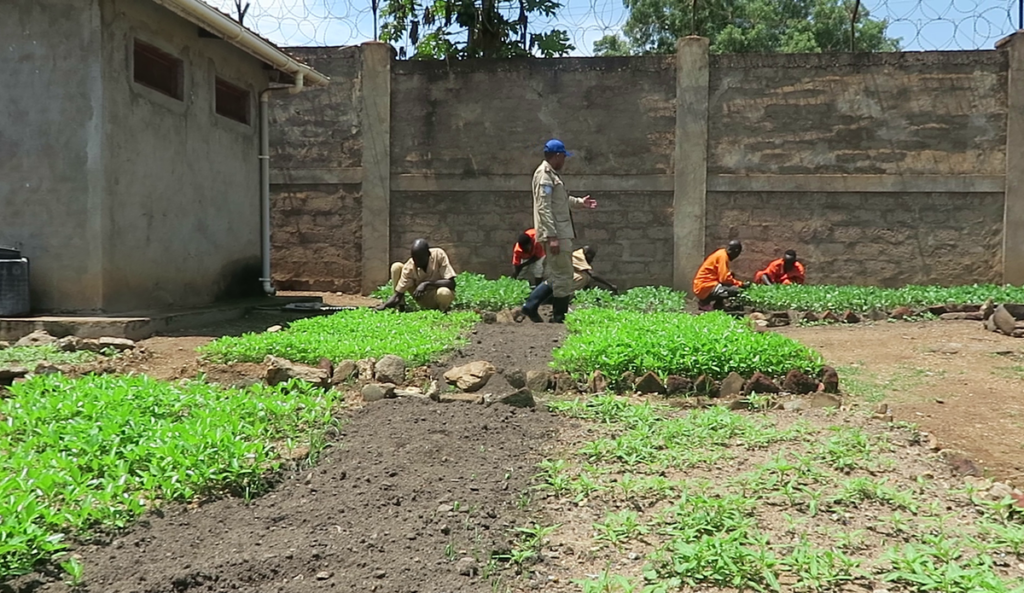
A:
428,274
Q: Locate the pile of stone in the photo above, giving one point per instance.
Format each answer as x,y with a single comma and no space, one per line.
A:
389,377
951,312
1006,319
12,373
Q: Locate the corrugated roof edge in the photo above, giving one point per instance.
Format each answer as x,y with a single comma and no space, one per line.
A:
219,23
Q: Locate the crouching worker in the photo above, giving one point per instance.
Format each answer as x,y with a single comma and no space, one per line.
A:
582,276
785,270
528,256
428,274
714,281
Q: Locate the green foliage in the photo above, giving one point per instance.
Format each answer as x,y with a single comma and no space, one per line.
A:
100,450
712,344
757,26
861,299
30,356
459,29
417,337
942,569
474,292
642,299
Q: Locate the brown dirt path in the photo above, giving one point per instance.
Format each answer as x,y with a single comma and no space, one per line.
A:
952,378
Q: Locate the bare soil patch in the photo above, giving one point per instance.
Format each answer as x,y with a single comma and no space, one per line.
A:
954,379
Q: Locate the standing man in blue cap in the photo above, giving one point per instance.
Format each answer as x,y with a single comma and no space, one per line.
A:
553,221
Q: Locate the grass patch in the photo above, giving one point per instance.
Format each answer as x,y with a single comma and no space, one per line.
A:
419,338
719,499
713,344
30,356
95,452
861,299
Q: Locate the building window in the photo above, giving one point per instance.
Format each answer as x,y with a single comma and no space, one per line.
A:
158,70
232,101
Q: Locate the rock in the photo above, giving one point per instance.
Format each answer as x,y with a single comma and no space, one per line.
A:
901,313
516,378
467,567
461,398
538,381
675,385
960,316
811,317
778,319
119,344
597,383
999,492
960,463
760,326
365,369
824,400
434,391
46,368
731,385
1003,320
1015,309
947,348
933,442
8,374
883,413
876,314
40,337
796,405
795,317
5,345
758,317
704,385
1018,333
506,316
343,371
89,345
938,310
472,376
564,383
987,309
830,317
830,378
799,383
326,365
735,403
390,369
649,383
410,392
626,381
377,391
280,370
990,325
273,329
70,343
520,399
323,575
760,383
849,316
489,317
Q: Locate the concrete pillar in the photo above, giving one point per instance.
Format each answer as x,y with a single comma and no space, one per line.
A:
1013,214
691,159
375,121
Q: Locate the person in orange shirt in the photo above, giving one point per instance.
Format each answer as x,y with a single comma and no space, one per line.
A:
785,270
714,282
528,254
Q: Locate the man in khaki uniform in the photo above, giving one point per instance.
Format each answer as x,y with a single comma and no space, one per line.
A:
428,274
583,270
553,221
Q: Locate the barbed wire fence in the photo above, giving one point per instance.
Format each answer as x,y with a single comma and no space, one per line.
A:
920,25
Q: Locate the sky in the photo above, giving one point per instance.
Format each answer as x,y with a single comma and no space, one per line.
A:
921,24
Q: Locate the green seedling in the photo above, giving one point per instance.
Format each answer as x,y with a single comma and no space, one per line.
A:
862,299
419,338
620,527
74,569
30,356
607,582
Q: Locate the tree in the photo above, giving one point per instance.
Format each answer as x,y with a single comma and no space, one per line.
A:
488,28
742,26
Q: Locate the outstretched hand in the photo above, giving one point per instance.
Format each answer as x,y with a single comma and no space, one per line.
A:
589,202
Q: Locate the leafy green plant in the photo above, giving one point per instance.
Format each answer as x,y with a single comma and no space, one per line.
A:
97,451
476,292
419,338
713,344
74,569
30,356
620,527
929,570
607,582
818,569
862,299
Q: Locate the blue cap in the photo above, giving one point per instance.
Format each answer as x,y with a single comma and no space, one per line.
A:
555,146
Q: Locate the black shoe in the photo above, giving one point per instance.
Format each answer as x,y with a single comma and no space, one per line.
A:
559,307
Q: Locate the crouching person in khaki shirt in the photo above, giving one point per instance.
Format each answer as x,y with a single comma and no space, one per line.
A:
428,274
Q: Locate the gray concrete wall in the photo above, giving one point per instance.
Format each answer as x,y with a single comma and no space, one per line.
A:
467,136
918,138
316,154
182,183
51,163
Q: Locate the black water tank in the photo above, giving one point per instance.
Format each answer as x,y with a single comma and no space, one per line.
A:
13,283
